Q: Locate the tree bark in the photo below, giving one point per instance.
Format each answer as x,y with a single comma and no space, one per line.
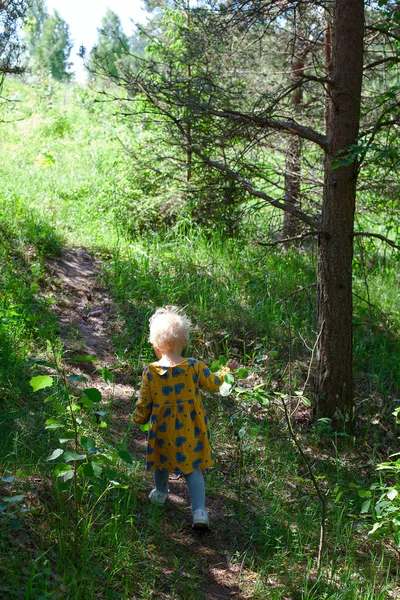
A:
334,362
291,224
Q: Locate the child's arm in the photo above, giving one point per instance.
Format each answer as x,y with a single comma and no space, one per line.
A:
144,403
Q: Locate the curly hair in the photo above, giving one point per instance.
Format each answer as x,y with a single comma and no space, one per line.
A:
169,327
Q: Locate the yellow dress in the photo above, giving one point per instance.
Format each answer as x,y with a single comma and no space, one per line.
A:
170,399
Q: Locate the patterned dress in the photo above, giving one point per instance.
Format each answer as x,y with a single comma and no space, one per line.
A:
170,399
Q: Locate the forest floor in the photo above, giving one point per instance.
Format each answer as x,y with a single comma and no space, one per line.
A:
88,320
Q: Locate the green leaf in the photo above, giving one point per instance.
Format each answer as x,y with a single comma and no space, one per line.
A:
145,427
93,394
87,443
14,499
229,378
70,456
67,437
91,469
338,497
375,527
86,402
263,400
41,362
365,507
117,484
223,361
364,493
62,468
124,454
225,389
392,494
68,475
240,390
101,413
77,378
241,433
55,454
97,468
83,358
242,373
53,424
107,375
50,398
40,382
305,401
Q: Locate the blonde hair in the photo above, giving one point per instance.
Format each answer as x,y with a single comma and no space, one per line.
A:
169,327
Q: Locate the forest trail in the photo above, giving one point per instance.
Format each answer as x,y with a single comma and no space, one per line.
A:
88,319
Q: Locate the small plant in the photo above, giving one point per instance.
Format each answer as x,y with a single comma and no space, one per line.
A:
228,386
12,505
386,510
81,461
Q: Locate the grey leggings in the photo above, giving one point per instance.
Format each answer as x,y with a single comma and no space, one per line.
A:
195,483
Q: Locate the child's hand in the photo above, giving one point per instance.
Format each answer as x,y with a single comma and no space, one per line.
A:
232,364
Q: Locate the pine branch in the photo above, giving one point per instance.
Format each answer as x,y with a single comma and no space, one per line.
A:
290,126
381,61
296,238
257,193
378,236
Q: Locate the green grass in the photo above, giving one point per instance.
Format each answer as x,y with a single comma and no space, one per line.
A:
63,175
232,293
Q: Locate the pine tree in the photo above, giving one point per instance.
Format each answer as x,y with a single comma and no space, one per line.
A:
12,14
48,41
111,46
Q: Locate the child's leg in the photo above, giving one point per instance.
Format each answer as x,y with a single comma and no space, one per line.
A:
195,483
161,480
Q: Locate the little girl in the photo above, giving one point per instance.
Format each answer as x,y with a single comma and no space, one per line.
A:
170,399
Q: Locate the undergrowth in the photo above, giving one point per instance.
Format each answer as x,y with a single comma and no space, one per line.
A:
242,301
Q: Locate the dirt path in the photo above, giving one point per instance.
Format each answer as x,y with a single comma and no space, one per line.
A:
87,321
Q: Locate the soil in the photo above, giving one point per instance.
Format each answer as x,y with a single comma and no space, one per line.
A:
88,320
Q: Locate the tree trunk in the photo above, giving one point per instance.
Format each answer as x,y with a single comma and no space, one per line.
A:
334,376
291,224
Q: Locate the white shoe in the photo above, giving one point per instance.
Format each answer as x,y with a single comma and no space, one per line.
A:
200,519
157,497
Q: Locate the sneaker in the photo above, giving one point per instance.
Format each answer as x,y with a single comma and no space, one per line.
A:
200,519
157,497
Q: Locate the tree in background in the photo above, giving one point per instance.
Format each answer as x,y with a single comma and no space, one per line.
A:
12,13
301,46
48,40
111,46
36,16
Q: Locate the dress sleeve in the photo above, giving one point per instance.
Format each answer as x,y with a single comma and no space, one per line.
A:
211,381
144,403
